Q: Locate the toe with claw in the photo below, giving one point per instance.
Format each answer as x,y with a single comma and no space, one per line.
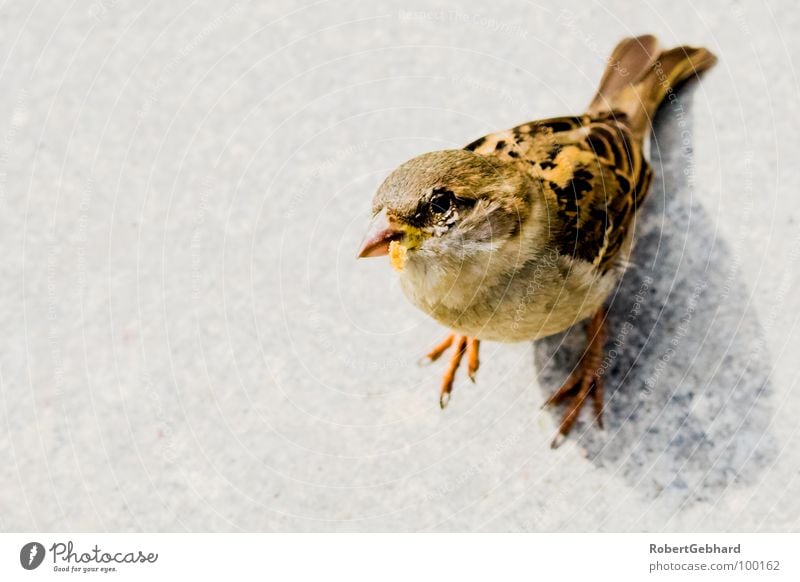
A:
586,380
463,345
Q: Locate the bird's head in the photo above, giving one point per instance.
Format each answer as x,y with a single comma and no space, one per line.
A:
449,207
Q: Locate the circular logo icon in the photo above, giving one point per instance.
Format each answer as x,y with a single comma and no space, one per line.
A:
31,555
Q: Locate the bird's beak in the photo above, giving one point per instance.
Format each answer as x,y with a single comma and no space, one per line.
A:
381,233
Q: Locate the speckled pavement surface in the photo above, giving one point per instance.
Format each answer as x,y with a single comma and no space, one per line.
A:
189,343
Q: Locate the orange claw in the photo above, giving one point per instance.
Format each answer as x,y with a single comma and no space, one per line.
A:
463,345
473,363
450,374
437,352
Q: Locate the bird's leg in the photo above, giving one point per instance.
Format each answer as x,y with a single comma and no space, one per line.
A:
450,373
463,345
585,379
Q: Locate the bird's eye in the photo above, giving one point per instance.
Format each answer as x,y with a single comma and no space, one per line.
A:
441,201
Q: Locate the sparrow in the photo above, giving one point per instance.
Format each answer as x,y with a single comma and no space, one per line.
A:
525,232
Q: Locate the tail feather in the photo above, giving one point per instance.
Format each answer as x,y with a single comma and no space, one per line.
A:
639,77
630,59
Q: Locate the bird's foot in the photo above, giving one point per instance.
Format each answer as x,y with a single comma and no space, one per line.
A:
586,379
463,345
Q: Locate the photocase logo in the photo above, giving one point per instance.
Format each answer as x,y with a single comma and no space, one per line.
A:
31,555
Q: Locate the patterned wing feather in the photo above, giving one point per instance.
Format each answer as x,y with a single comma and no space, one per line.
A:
593,171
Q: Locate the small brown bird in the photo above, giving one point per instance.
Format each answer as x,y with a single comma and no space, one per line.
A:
525,232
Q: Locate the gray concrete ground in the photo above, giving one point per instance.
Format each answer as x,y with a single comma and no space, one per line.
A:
189,343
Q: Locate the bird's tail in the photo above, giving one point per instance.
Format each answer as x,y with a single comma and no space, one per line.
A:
639,76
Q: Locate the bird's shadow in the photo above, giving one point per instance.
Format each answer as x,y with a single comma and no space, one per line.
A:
687,384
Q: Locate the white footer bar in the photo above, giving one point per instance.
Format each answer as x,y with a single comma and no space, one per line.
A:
401,557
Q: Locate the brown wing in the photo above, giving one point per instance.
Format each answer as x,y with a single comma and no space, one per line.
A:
593,171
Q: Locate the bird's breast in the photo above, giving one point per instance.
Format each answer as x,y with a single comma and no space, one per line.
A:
541,299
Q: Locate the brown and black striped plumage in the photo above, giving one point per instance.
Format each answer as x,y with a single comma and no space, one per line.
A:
590,167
